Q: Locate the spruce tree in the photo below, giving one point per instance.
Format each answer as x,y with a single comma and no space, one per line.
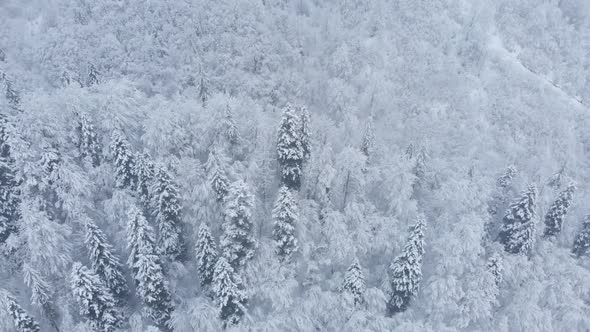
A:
354,282
124,162
147,270
93,76
206,255
557,212
9,190
290,149
104,263
495,267
285,215
204,90
517,233
95,300
144,172
88,144
215,167
582,241
405,273
237,242
229,292
40,294
167,201
231,129
22,321
305,133
10,92
368,142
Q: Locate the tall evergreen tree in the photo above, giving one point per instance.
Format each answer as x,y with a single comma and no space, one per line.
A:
231,129
582,241
93,76
557,212
143,260
517,233
305,132
354,282
10,92
285,215
22,321
88,144
9,190
104,263
405,273
237,242
206,255
167,199
144,172
124,162
95,300
229,291
289,148
40,294
204,93
495,268
216,172
368,142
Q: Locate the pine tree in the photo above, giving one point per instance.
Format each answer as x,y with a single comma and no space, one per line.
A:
229,291
88,144
206,255
289,148
368,143
582,241
406,271
144,172
216,173
104,263
354,282
124,162
95,301
93,76
495,268
557,212
167,199
237,242
285,217
11,94
9,190
40,294
145,264
305,132
22,321
518,229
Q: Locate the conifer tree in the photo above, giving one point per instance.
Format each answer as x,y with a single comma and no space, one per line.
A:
305,132
167,201
9,191
237,242
104,263
145,172
88,144
582,241
11,94
145,264
495,268
2,56
93,76
95,300
557,212
517,233
368,143
405,273
231,129
354,282
204,93
124,162
285,215
289,148
216,173
206,255
229,291
22,321
40,294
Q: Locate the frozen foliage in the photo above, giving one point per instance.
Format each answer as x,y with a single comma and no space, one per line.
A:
96,302
168,214
290,148
22,321
216,173
354,282
206,251
582,240
144,171
368,142
496,269
405,273
88,143
237,242
124,161
557,212
9,192
229,292
285,216
518,229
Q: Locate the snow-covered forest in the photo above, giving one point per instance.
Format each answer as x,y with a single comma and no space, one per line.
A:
304,165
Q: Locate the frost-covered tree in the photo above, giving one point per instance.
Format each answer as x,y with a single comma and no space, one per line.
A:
285,215
582,241
290,149
354,282
10,92
103,261
229,292
206,255
148,274
499,202
557,212
22,321
40,294
496,268
96,302
204,93
9,190
517,233
216,173
144,171
168,210
405,273
93,76
123,161
305,132
88,144
368,142
237,242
